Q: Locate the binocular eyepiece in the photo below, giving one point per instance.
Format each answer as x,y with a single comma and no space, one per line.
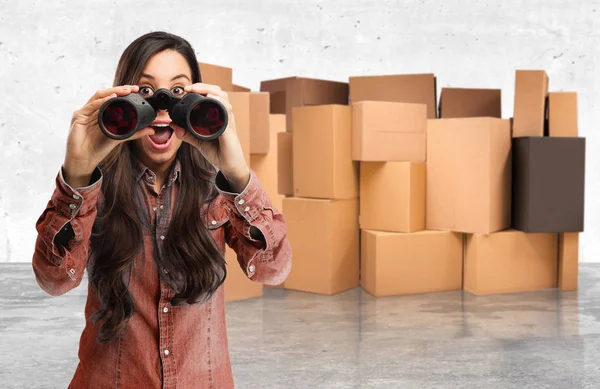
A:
204,117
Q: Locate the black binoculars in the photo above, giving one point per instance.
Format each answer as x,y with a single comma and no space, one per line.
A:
204,117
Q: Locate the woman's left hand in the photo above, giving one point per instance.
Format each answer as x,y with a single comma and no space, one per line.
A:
225,152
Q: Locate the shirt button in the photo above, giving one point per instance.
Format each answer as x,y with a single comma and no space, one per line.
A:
162,206
165,309
154,209
213,222
76,196
72,271
162,237
241,202
72,206
166,352
251,268
165,271
247,209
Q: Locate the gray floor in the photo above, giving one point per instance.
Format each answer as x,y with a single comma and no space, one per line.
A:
290,339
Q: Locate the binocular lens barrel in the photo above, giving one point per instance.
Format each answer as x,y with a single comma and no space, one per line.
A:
207,118
119,118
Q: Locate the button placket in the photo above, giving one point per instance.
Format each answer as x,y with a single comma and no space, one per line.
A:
165,330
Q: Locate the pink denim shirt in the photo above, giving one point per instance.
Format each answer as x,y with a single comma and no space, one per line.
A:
162,346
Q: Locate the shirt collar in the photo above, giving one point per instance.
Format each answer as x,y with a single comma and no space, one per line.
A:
140,170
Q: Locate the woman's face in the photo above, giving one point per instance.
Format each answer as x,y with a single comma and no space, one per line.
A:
167,69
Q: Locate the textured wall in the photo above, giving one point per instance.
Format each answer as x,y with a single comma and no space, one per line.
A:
55,54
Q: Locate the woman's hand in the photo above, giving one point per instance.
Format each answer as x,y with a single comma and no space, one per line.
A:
225,152
87,145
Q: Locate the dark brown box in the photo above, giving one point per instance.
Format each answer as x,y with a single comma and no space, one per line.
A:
401,88
548,184
465,103
287,93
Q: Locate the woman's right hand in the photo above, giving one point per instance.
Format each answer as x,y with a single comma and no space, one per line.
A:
87,145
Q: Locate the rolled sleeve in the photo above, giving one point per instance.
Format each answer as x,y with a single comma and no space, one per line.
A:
70,201
64,229
257,232
73,205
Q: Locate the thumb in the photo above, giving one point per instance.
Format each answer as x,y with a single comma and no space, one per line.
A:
141,133
184,135
179,132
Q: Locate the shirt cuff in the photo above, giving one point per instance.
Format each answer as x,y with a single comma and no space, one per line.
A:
73,201
248,203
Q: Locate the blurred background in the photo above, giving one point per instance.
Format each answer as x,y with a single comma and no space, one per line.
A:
55,54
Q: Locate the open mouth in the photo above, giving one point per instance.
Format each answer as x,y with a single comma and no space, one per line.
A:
163,134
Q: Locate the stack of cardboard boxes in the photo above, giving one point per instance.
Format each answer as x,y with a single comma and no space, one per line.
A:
321,207
398,255
548,170
382,188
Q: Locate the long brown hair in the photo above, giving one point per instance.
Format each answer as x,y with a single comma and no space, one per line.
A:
195,266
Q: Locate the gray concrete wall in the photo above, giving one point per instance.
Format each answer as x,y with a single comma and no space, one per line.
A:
55,54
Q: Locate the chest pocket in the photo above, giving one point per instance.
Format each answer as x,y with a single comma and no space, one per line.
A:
215,216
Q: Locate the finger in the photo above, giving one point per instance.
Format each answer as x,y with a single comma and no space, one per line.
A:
223,101
119,90
140,134
205,89
91,109
184,135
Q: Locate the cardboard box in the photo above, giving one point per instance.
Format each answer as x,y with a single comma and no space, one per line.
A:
531,93
510,261
468,175
548,184
259,123
288,93
239,88
392,196
394,264
265,166
216,75
322,153
285,163
563,114
568,261
465,102
237,285
324,237
404,88
240,103
388,131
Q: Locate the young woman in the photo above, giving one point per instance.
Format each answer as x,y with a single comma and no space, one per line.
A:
148,218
